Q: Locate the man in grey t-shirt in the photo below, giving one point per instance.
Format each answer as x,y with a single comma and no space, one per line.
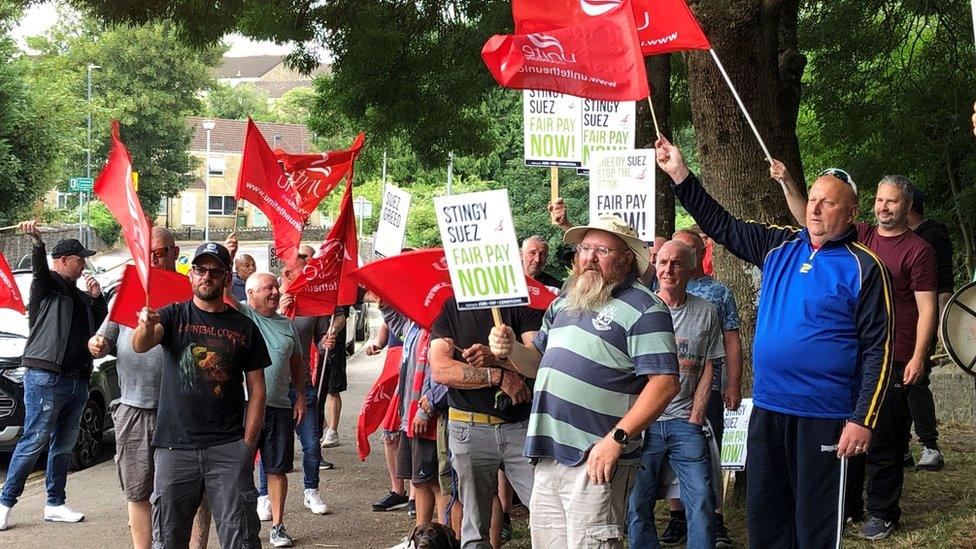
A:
677,434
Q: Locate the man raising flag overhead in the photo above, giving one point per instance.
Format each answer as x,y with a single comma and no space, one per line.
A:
114,187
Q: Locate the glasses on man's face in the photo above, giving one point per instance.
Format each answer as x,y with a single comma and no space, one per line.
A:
160,253
215,272
303,257
840,174
600,251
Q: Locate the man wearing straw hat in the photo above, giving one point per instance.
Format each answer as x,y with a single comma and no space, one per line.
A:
605,367
62,318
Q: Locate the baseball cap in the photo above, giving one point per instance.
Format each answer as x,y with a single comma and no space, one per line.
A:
70,246
618,227
214,250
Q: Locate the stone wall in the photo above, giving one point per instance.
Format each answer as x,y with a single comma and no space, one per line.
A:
955,395
15,245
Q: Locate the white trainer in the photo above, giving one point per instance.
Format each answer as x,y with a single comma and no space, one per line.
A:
5,517
62,513
264,508
330,438
314,503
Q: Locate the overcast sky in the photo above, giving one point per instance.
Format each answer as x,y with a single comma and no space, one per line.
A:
41,16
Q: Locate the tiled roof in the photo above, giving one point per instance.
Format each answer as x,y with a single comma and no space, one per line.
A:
254,66
228,136
276,90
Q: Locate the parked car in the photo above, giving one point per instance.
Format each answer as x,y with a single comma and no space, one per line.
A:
103,389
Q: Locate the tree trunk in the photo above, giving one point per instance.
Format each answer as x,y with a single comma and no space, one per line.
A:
659,76
967,237
746,36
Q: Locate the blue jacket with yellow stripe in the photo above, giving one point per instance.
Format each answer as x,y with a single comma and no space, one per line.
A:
825,318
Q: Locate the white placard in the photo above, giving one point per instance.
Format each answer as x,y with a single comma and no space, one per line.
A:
551,128
393,221
735,436
481,249
622,183
606,126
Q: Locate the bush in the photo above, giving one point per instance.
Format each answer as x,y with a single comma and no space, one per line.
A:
104,224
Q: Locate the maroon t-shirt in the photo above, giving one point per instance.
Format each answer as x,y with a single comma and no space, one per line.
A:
912,264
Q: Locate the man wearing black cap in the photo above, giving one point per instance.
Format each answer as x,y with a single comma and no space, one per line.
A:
61,318
202,439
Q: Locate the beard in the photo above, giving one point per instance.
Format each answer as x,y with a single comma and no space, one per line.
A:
208,293
589,289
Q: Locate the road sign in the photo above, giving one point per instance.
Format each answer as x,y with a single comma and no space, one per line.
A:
80,184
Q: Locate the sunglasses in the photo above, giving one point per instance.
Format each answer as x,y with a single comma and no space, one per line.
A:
160,253
215,272
840,174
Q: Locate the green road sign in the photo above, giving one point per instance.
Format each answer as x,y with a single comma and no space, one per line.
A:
80,184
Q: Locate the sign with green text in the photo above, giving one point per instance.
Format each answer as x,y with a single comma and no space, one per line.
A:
606,126
622,184
734,438
551,126
482,252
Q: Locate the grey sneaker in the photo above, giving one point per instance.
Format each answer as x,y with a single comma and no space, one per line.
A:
875,529
280,538
930,460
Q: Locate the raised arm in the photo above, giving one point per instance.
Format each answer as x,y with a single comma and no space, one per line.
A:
794,198
523,357
148,333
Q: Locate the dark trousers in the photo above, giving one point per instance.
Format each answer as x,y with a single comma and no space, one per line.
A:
883,466
715,412
794,478
921,406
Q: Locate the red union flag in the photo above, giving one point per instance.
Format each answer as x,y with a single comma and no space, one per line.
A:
595,57
114,187
430,284
324,283
263,182
662,25
9,292
377,401
313,176
167,287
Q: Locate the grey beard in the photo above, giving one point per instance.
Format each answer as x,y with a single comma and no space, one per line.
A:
588,292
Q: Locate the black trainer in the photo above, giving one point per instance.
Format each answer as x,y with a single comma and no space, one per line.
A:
722,538
391,502
675,534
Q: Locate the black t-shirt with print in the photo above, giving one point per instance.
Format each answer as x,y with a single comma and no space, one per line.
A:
469,327
201,400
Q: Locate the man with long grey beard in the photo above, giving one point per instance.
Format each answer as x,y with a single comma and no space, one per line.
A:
606,367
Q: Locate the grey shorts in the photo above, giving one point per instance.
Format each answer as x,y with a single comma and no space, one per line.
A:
226,472
134,428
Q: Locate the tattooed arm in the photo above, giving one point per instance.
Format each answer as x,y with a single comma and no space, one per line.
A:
457,374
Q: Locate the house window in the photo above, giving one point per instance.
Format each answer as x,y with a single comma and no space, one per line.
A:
222,205
217,166
64,198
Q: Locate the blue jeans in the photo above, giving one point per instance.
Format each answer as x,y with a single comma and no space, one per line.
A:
308,436
52,417
687,449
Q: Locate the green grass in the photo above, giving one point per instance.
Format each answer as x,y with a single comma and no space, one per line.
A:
938,508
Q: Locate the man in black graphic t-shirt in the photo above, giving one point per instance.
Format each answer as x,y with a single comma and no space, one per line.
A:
203,440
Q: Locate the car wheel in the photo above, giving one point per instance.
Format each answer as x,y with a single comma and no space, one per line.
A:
89,442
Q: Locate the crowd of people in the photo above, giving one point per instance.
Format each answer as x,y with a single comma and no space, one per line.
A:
588,412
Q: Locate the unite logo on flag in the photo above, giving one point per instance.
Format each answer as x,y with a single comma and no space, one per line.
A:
598,7
543,42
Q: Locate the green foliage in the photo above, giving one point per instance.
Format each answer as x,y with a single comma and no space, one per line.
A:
104,223
237,102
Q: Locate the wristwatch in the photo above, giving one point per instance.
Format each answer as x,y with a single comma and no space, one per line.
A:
620,436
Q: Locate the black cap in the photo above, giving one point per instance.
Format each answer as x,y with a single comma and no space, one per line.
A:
70,246
214,250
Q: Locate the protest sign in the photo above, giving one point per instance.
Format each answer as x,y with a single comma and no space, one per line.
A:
606,126
735,435
551,126
622,184
481,249
393,222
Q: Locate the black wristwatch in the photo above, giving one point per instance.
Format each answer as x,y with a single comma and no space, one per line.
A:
620,436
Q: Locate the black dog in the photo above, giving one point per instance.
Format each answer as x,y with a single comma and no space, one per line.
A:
431,535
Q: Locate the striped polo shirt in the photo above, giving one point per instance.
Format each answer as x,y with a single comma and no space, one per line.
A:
594,364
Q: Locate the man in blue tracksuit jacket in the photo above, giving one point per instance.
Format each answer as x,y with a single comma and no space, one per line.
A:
821,354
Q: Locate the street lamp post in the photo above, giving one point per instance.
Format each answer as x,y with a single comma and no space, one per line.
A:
88,151
207,125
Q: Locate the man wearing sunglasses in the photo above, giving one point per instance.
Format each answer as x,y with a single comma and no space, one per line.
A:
202,439
821,353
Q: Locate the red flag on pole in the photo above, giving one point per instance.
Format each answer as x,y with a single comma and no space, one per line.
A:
167,287
313,176
9,292
430,284
662,25
377,401
598,58
263,182
114,186
324,282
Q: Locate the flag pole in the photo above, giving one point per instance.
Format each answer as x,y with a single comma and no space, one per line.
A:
554,184
738,100
657,130
8,227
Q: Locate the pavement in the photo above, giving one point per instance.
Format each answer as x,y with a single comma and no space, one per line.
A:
349,490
